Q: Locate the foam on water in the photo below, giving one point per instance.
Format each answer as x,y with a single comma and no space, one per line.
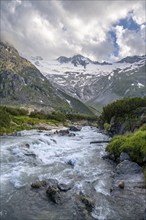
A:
38,155
45,150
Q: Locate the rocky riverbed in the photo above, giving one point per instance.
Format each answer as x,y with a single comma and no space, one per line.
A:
62,176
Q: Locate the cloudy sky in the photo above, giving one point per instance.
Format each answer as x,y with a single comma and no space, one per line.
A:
102,30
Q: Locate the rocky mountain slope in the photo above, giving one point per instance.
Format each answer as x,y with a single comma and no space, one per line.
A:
21,83
94,82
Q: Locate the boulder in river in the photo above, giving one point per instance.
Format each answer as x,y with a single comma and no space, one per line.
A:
71,135
71,162
63,132
74,128
128,167
39,184
87,201
27,145
54,194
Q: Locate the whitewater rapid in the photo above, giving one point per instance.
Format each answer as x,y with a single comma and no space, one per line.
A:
42,155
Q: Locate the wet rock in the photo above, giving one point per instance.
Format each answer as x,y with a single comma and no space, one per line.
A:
39,184
54,141
63,132
74,128
54,194
41,140
30,155
121,185
88,202
41,130
109,156
71,162
47,134
124,156
65,187
16,133
128,167
71,135
27,145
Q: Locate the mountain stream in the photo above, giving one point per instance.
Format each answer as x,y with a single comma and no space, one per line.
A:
43,155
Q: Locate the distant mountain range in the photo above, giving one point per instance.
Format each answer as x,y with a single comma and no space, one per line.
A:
93,82
78,60
69,84
22,84
84,61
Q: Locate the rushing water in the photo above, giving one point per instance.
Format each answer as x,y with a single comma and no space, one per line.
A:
43,155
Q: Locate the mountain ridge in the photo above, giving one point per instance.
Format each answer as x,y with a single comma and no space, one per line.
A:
21,83
98,84
81,60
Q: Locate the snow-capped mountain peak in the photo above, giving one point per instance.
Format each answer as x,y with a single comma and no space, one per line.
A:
96,82
132,59
75,60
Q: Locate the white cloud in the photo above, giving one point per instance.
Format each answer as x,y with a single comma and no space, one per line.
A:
130,42
54,28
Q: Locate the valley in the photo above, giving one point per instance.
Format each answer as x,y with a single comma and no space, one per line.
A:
95,83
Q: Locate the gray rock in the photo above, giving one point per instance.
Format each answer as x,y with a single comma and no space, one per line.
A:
63,132
124,156
53,141
71,162
87,201
30,155
54,194
71,135
128,167
39,184
27,145
73,128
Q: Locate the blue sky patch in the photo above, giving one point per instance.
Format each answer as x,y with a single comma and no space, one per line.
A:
128,23
116,47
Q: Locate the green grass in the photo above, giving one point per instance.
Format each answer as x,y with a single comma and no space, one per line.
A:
106,127
19,123
16,119
133,143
